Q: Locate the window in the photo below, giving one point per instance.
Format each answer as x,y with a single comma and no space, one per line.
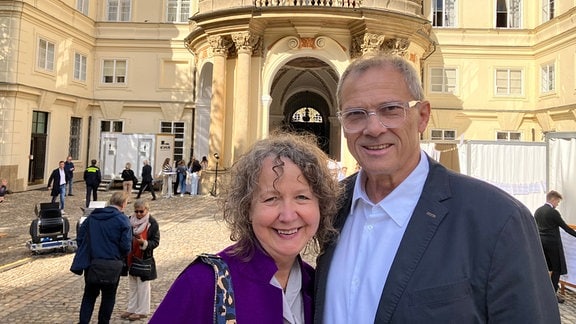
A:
113,126
79,67
114,71
508,82
508,136
82,6
508,13
547,10
547,78
444,13
118,10
178,11
442,134
39,122
306,115
75,130
45,55
176,128
443,80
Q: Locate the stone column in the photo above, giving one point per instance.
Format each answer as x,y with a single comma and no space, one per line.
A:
245,42
220,46
265,119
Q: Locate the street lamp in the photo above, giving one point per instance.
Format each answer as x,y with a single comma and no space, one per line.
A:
214,186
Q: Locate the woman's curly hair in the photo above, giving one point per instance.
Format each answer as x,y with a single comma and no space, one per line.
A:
303,151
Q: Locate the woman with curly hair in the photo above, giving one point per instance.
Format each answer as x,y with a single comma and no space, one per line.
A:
280,200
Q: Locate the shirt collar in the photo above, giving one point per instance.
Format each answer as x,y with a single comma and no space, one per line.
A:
400,203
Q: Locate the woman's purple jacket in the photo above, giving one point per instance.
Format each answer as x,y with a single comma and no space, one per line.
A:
191,297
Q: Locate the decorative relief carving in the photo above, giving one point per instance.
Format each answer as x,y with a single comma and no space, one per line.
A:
220,44
367,44
293,42
245,41
371,44
396,46
307,42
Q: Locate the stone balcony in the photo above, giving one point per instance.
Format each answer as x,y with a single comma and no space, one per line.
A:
406,6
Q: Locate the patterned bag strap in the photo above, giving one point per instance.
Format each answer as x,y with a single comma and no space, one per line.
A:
224,303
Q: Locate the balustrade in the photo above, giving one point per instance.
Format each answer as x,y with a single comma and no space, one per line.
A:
308,3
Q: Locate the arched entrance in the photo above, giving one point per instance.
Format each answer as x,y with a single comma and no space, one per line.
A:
302,95
308,111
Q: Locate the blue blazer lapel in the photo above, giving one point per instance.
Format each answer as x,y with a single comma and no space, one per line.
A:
423,224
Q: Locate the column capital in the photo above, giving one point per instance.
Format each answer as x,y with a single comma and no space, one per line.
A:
367,44
246,42
220,44
396,46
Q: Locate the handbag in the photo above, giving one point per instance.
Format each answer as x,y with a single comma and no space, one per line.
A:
224,300
104,272
141,267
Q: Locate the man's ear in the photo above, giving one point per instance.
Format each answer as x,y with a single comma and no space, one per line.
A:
424,111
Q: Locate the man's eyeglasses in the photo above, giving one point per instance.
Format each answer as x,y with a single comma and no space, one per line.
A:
137,211
389,114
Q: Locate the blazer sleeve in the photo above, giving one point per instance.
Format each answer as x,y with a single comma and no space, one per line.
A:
519,290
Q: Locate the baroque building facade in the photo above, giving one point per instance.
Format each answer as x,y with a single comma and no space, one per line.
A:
220,74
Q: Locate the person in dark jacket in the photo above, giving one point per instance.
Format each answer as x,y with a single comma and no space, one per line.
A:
69,168
128,179
192,181
549,222
147,180
146,237
57,184
92,177
105,234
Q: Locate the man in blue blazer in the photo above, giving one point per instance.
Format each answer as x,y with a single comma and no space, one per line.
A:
419,243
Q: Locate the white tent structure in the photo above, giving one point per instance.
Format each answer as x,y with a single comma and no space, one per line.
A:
562,178
526,170
518,168
562,171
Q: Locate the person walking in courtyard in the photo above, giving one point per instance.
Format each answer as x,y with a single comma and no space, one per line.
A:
128,179
57,184
105,234
146,237
419,243
549,223
281,200
92,177
69,168
147,180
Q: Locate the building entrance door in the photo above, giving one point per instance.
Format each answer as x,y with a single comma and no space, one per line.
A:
37,164
37,159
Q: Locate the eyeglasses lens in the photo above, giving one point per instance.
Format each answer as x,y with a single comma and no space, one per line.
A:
390,115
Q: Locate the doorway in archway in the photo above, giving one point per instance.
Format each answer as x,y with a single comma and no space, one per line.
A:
307,112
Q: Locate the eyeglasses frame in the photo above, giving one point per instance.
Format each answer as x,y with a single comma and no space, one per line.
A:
405,105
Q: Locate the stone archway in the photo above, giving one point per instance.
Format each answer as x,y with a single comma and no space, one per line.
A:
307,111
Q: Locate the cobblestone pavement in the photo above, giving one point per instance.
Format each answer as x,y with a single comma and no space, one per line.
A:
41,289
